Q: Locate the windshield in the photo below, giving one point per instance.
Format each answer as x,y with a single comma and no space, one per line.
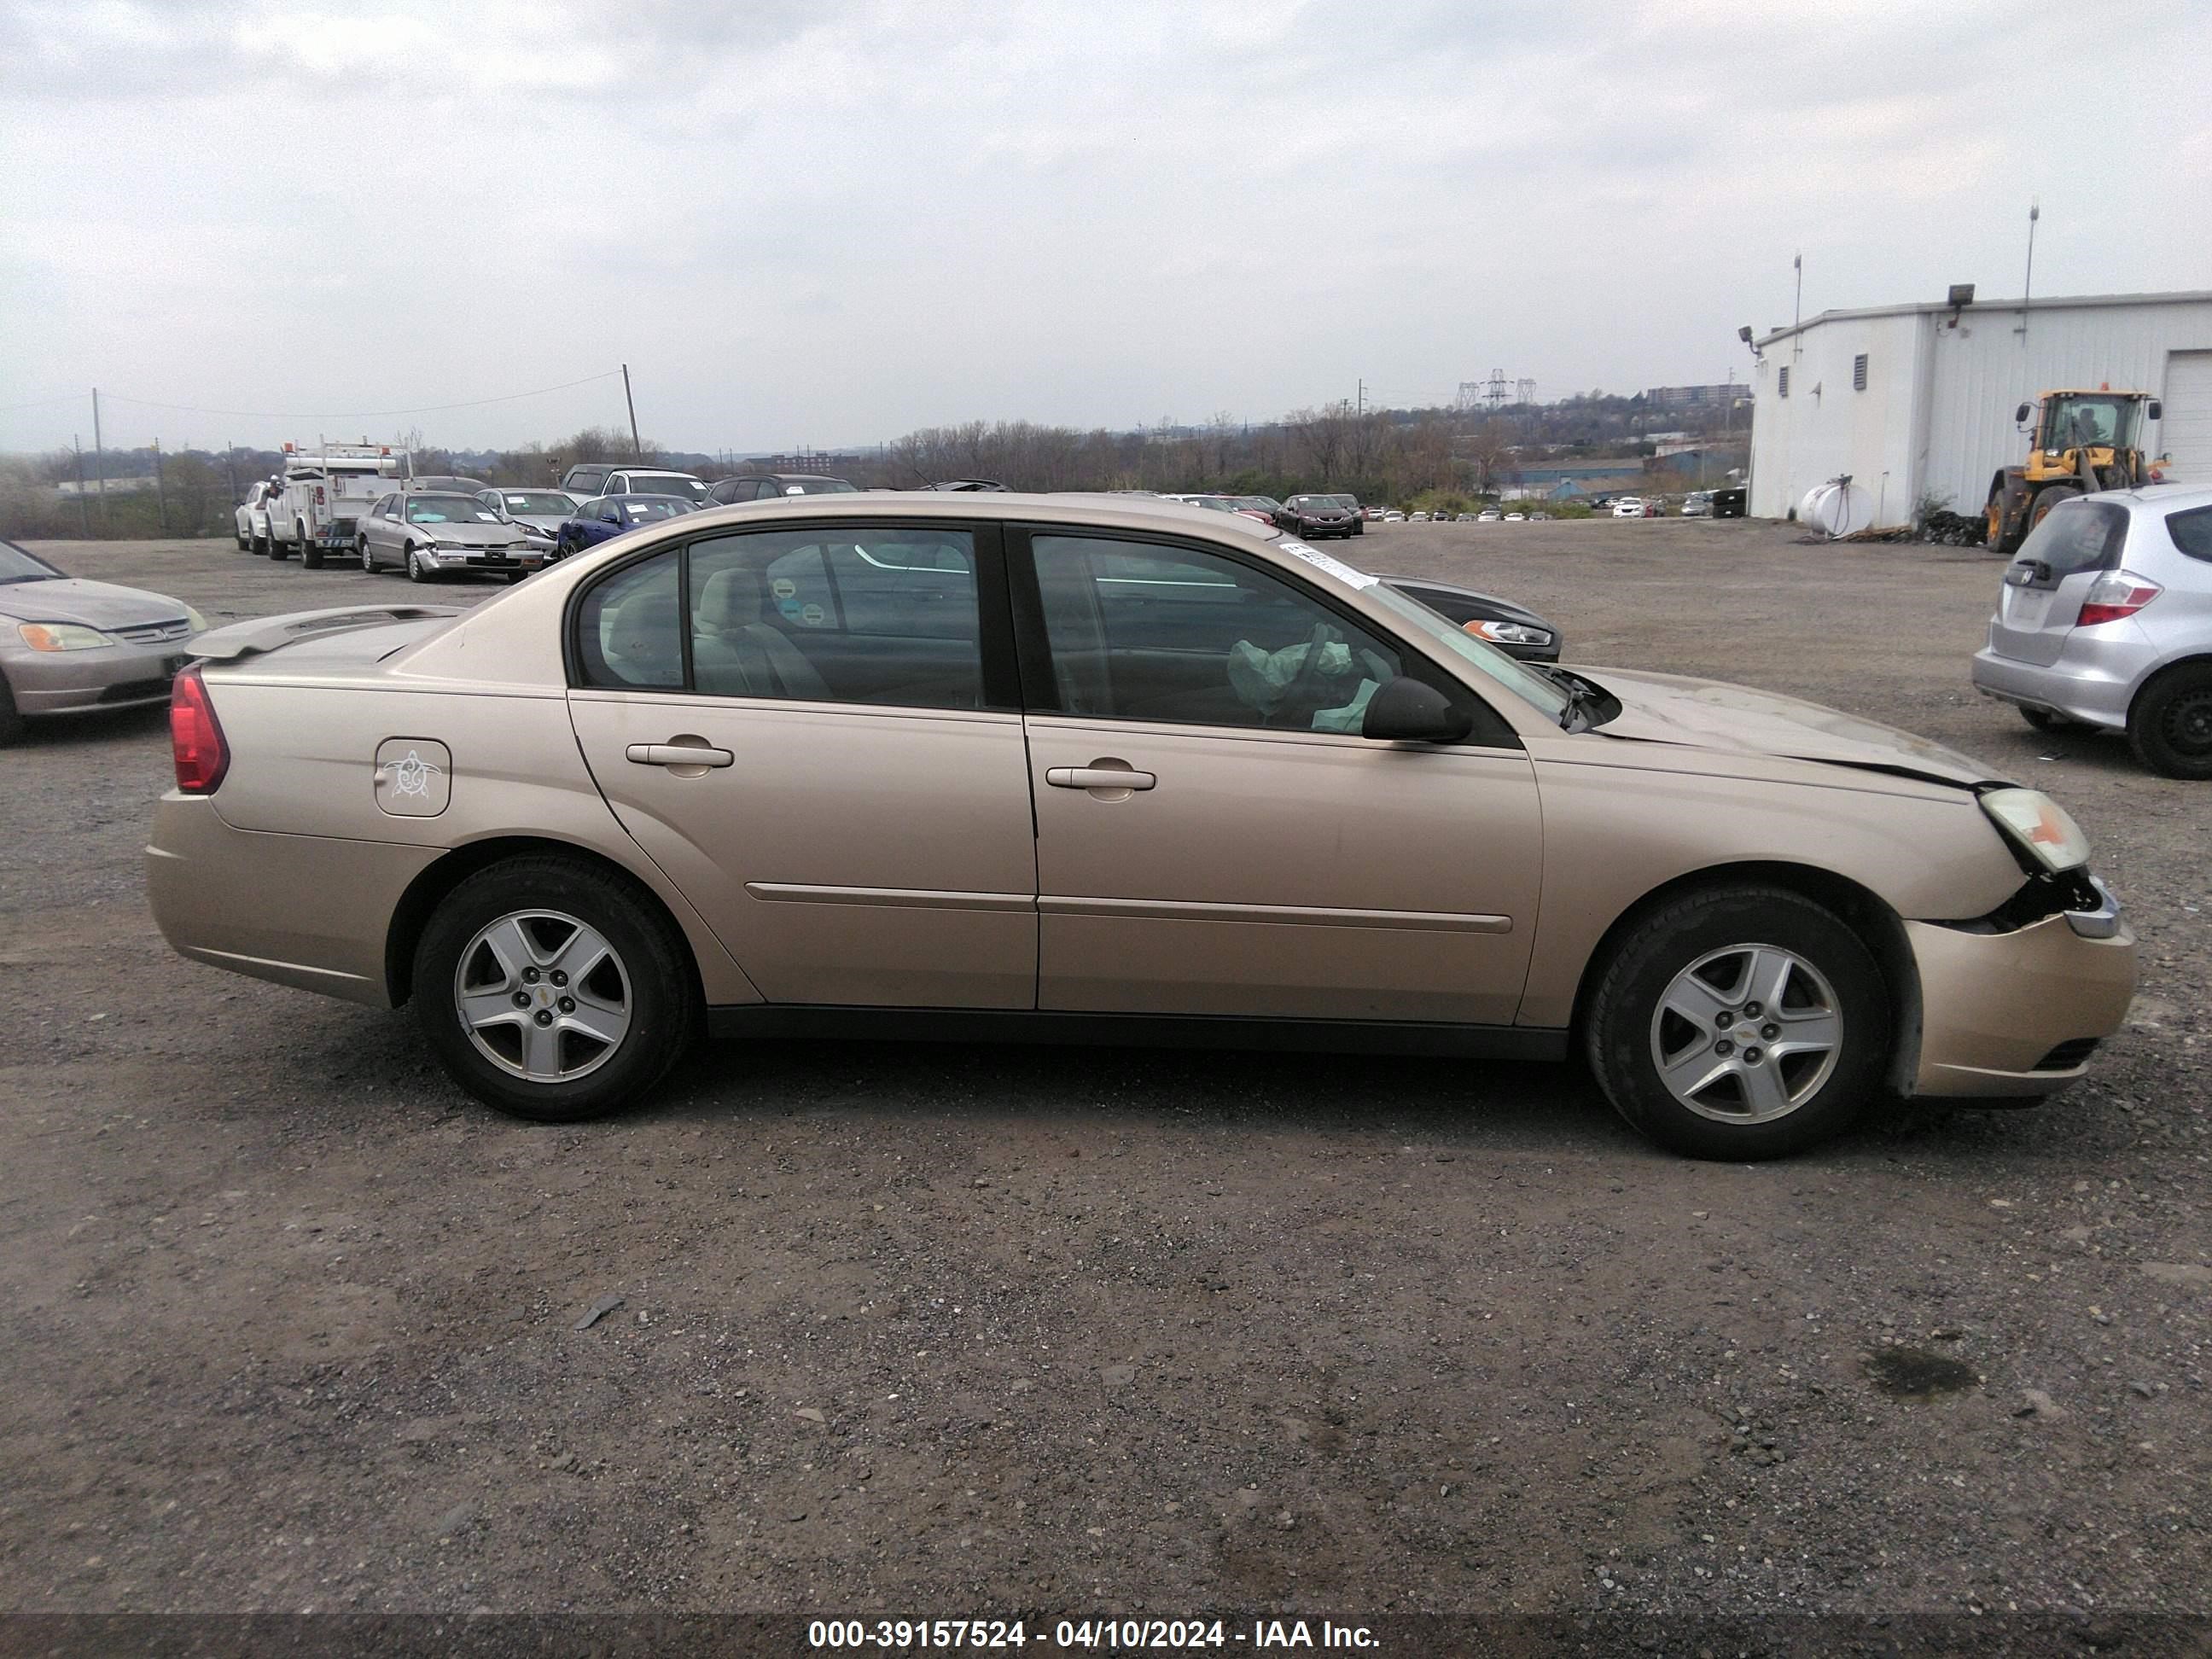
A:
2098,420
667,483
544,503
819,487
1522,681
1261,503
1313,500
448,509
640,509
19,564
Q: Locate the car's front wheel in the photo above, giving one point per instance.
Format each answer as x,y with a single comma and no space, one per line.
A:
11,720
1740,1023
553,990
415,572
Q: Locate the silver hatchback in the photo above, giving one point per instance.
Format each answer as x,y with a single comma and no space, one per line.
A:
2104,620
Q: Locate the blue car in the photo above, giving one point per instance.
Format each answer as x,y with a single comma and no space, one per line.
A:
606,517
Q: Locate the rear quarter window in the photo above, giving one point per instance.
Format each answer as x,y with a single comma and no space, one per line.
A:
2078,536
2192,532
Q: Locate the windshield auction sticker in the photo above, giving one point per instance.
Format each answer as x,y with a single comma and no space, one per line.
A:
1335,567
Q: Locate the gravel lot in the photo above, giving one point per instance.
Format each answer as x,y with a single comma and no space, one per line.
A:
933,1331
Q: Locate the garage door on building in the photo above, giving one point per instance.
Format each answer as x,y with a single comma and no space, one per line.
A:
2185,434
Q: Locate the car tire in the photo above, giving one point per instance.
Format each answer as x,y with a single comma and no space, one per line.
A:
311,555
643,991
1721,1095
242,539
2043,720
361,551
415,571
11,718
2170,726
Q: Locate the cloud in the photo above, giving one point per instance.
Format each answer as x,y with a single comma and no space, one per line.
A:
801,222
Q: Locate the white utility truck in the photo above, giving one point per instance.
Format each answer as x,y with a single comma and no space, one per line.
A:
326,491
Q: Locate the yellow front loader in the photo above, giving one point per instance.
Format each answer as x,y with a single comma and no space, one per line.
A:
2080,442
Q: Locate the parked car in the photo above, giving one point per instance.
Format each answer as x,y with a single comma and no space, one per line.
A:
430,534
1465,518
1266,509
1513,628
438,484
1488,515
955,485
1199,783
1628,507
583,480
644,480
2104,622
606,517
251,515
323,496
1517,518
1418,518
68,646
1392,515
1697,504
767,486
1358,513
1730,503
1316,516
544,510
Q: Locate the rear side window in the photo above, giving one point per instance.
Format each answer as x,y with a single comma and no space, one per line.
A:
2192,532
629,631
2078,536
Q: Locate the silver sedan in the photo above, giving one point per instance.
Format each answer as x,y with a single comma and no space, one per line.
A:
68,646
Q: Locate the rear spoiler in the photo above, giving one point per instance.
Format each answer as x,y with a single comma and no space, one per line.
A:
253,639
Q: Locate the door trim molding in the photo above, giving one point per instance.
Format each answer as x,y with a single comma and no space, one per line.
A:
903,898
1302,916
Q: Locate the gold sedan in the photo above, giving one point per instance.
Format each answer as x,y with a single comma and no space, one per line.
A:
1093,768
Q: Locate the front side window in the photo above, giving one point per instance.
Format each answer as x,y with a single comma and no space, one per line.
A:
1145,631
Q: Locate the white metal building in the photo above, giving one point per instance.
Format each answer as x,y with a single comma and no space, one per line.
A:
1919,399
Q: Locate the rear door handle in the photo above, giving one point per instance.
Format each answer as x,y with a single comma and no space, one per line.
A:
677,754
1097,777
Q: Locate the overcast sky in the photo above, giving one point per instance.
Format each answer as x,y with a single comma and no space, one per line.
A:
826,224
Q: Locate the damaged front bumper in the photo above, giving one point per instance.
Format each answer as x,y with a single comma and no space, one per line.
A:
2015,1011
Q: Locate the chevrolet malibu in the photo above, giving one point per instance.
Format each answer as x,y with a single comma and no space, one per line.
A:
996,767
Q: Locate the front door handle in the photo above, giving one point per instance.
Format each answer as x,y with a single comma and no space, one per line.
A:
1098,777
677,754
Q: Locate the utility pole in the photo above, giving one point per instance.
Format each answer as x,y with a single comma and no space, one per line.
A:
99,459
1361,407
230,465
1797,311
636,448
161,489
2027,282
83,506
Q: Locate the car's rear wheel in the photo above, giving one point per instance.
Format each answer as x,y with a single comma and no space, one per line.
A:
553,991
1740,1023
311,555
2170,727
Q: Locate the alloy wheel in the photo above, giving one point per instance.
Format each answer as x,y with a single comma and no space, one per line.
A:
1746,1034
543,996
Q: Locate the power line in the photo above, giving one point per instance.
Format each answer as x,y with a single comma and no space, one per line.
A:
359,414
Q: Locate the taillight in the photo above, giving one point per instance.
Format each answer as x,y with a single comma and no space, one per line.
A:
195,741
2115,595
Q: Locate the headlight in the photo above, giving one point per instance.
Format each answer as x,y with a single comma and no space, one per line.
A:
1507,633
197,623
62,636
2039,825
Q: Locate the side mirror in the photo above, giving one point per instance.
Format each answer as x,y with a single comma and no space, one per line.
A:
2020,415
2152,411
1404,710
